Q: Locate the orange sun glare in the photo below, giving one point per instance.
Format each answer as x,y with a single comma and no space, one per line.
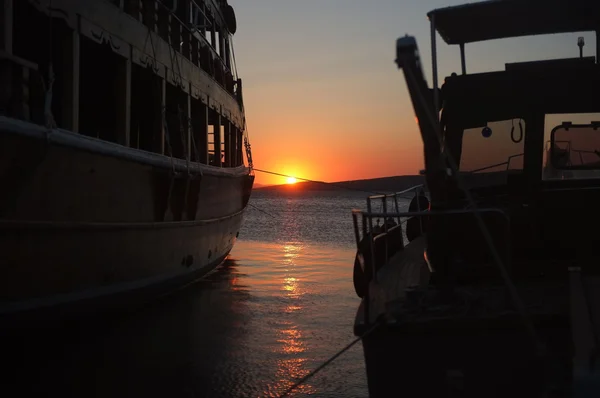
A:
291,180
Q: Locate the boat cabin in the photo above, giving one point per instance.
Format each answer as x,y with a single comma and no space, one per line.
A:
525,140
158,76
521,146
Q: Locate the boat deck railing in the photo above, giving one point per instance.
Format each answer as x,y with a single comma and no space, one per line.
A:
368,231
186,26
393,217
387,202
390,210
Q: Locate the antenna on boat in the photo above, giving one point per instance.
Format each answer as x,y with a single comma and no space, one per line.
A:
580,43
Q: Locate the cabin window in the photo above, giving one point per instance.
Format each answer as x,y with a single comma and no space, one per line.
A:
223,143
495,147
576,150
176,122
146,110
487,154
196,16
209,32
240,147
211,144
217,43
33,41
215,139
100,91
199,122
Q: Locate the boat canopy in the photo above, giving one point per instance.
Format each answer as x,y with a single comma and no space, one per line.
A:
498,19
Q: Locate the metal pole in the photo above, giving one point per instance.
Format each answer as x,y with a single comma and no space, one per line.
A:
366,299
598,46
356,232
371,236
434,68
397,208
463,63
385,226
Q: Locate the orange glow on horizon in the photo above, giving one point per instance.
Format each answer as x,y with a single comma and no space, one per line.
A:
291,180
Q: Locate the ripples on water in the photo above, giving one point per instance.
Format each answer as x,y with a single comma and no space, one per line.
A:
280,306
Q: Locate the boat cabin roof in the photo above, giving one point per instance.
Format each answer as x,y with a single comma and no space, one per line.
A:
498,19
555,86
525,91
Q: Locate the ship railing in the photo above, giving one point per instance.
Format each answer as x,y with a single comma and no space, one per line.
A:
493,166
177,24
393,199
367,231
385,201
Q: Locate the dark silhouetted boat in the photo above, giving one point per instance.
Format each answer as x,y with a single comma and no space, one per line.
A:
491,288
122,134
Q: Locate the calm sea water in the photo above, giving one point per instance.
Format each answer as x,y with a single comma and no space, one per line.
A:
281,305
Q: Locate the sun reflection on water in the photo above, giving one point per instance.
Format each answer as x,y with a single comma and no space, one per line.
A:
291,253
291,342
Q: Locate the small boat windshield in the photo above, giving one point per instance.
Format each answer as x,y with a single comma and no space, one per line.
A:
490,152
573,151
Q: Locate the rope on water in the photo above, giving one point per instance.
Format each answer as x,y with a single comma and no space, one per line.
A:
335,184
327,362
262,211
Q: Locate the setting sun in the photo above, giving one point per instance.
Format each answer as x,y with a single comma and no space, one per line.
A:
291,180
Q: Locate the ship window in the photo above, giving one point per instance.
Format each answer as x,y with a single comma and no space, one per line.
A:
223,142
495,147
574,155
487,154
211,144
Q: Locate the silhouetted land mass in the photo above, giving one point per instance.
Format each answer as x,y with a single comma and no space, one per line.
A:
384,184
388,184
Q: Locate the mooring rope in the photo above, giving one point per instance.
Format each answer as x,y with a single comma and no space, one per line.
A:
328,361
342,185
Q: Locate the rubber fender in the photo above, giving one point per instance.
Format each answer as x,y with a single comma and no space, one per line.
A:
359,277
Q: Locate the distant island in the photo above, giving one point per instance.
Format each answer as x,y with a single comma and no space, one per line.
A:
373,185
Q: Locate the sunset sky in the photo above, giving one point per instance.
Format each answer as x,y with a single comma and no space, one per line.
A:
324,99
